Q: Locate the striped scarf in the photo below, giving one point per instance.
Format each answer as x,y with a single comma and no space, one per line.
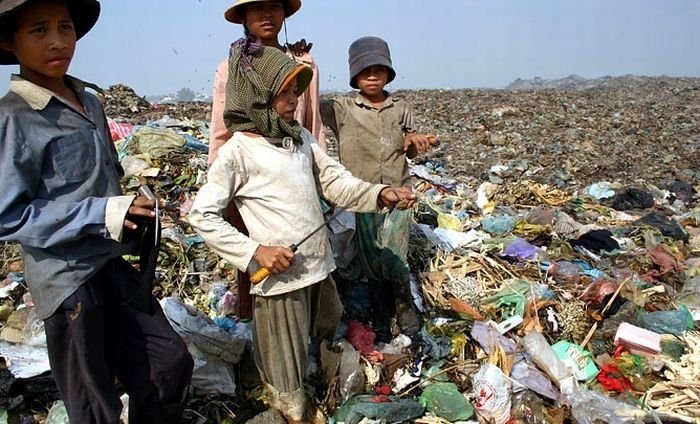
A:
256,74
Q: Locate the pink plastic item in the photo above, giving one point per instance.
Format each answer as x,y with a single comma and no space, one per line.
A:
638,340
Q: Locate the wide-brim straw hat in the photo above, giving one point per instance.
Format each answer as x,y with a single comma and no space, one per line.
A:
83,12
232,13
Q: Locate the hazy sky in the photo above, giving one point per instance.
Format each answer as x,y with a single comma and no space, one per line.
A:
158,46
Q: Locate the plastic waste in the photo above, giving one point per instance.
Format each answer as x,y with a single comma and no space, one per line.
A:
57,414
492,394
579,360
511,298
449,222
501,224
662,223
456,239
436,346
489,339
529,376
520,249
221,301
546,359
540,215
564,272
668,322
690,297
350,372
378,407
157,142
445,401
361,336
213,350
133,165
591,407
433,372
33,333
601,190
632,198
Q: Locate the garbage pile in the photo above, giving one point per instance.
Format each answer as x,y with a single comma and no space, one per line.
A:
555,256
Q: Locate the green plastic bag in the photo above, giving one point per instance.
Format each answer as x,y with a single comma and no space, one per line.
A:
391,409
445,401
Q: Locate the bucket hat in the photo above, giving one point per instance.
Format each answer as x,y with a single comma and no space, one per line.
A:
232,13
83,12
369,51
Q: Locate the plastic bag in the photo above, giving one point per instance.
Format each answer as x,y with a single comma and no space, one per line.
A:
492,391
382,244
502,224
520,249
57,414
445,401
668,322
350,372
390,409
590,407
542,354
690,296
213,350
564,272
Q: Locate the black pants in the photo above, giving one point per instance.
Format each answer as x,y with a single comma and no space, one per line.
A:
93,338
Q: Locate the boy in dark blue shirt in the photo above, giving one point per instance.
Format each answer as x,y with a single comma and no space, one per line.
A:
61,201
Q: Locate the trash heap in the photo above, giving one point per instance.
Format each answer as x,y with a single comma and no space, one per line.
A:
555,256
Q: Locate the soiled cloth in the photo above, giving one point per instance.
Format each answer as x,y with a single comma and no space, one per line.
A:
288,320
276,190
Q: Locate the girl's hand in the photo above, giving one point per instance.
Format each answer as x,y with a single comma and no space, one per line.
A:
274,258
401,197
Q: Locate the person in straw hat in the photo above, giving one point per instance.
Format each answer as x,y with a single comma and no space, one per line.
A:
263,19
274,171
62,202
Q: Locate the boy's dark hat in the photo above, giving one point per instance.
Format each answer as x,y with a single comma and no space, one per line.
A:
233,14
83,12
369,51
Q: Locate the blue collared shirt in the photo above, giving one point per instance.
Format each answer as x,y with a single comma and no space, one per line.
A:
60,189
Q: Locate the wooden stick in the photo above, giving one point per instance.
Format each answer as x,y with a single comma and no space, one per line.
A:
602,312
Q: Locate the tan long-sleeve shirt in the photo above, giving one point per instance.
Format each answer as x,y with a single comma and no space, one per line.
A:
308,112
276,190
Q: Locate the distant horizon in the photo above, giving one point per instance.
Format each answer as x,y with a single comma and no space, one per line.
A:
349,90
451,44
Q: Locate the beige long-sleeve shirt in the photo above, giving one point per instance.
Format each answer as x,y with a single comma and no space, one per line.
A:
308,112
276,190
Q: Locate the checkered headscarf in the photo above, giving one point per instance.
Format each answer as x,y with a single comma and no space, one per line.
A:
256,75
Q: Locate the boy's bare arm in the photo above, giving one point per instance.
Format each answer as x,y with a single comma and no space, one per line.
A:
415,144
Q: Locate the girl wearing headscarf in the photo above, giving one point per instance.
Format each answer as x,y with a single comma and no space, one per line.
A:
274,171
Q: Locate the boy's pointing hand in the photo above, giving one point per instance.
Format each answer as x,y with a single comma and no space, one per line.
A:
415,144
401,197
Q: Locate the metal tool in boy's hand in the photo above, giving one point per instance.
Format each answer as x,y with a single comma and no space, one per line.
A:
263,272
